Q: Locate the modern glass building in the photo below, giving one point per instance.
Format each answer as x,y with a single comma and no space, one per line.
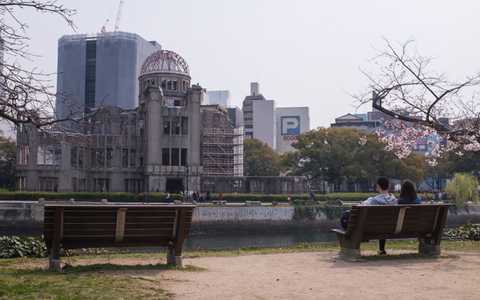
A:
99,70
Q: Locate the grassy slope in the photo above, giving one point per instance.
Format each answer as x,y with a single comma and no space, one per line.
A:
22,279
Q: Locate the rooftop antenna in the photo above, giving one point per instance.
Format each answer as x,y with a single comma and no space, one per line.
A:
119,16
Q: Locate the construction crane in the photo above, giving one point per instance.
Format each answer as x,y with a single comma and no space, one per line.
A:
119,16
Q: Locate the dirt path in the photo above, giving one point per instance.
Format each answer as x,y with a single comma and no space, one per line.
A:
320,276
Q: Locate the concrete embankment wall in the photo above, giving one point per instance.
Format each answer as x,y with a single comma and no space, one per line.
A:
26,218
22,218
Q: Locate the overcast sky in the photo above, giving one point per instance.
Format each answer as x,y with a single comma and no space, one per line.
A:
303,52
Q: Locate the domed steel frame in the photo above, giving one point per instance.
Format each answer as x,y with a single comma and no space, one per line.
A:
165,61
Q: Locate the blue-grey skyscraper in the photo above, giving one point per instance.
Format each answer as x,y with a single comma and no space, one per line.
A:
99,70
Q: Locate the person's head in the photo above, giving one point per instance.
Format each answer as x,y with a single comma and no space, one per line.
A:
383,184
408,191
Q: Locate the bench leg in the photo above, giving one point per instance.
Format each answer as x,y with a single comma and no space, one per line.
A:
54,261
429,247
174,258
348,249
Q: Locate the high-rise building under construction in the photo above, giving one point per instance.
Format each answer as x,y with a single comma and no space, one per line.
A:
99,70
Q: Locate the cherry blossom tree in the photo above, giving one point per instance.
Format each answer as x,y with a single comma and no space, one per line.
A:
419,103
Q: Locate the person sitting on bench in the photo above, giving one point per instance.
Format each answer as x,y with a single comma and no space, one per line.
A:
408,194
383,198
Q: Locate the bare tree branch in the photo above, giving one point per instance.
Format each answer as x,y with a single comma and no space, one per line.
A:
26,96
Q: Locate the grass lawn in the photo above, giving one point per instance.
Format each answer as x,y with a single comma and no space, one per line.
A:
106,277
18,281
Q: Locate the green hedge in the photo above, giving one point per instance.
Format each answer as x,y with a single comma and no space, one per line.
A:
115,197
348,197
159,197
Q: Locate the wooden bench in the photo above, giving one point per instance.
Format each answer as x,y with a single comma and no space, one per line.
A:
93,225
423,221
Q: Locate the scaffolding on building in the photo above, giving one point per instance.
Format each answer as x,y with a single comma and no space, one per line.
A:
222,145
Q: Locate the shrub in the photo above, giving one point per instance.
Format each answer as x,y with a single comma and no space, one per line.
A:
464,232
462,188
11,247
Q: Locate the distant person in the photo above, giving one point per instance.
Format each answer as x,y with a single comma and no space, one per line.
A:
168,198
383,198
195,197
408,194
312,196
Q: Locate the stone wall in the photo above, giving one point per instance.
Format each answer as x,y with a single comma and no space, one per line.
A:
21,218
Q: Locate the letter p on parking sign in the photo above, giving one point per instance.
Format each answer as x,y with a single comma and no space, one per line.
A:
290,125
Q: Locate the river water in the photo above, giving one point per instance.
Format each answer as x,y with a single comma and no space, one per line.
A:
236,239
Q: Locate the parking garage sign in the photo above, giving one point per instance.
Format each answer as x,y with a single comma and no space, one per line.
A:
290,125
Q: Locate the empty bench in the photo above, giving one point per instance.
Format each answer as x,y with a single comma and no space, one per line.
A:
423,221
93,225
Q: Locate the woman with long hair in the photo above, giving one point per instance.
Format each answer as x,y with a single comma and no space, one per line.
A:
408,193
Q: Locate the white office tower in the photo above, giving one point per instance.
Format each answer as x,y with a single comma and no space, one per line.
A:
259,116
99,70
291,122
221,98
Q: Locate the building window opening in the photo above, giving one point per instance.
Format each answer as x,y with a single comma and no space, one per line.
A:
22,183
183,159
174,185
133,158
175,157
166,127
101,185
48,184
109,157
184,125
24,153
81,153
169,85
124,158
174,85
74,157
176,126
165,156
49,155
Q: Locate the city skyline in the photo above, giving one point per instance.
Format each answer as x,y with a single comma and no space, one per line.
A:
304,53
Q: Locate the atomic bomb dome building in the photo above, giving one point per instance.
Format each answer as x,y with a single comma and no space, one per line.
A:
168,102
169,143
